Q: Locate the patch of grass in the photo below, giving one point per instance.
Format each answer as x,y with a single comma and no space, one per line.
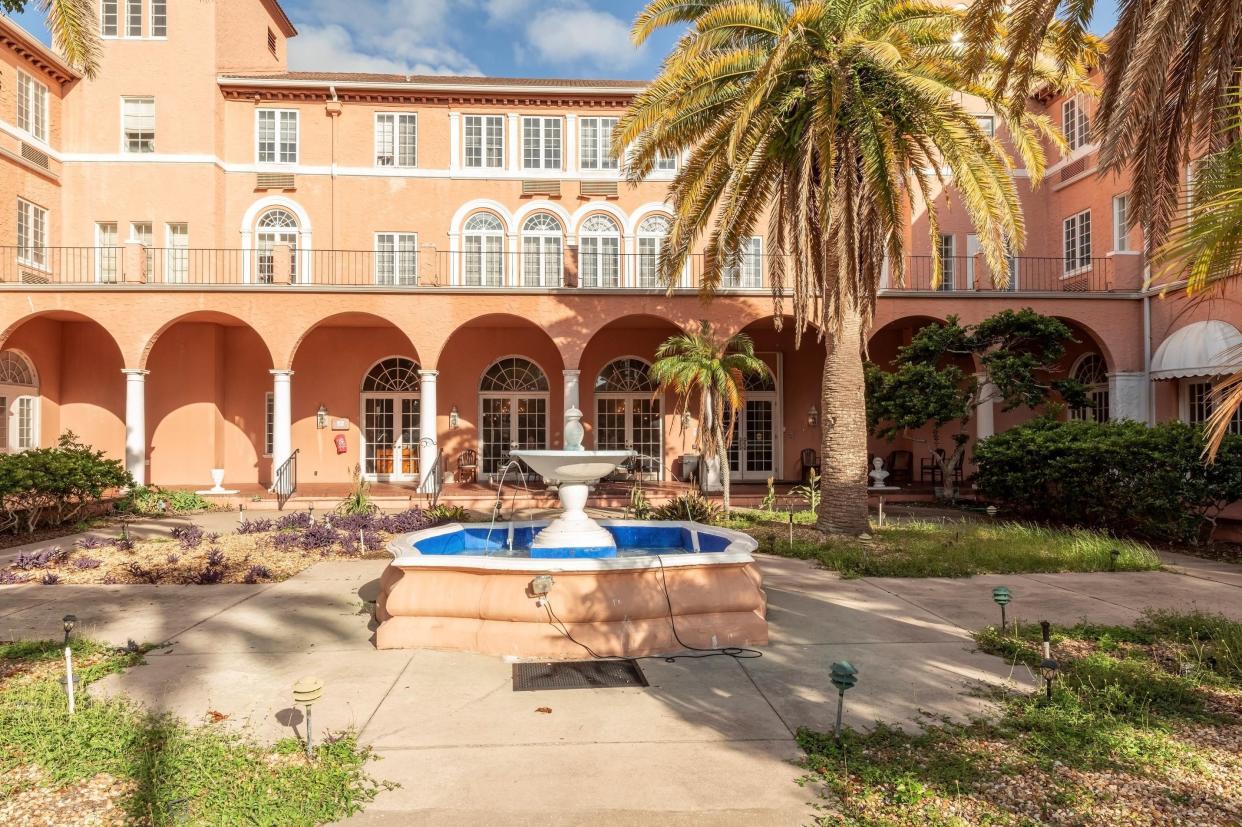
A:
177,773
1139,723
961,548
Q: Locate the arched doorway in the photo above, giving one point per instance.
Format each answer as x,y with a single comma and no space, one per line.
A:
1091,372
628,415
752,453
19,403
391,398
513,401
276,226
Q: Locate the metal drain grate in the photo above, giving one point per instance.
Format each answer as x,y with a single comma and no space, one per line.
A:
584,674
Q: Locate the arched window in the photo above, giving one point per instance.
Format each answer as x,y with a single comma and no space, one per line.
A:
19,403
541,251
759,384
276,226
1091,371
514,375
513,408
484,246
626,375
391,406
651,236
395,375
600,245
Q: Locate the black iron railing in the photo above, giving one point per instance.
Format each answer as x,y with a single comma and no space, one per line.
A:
285,480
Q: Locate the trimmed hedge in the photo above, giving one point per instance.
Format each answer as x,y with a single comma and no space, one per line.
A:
54,486
1125,477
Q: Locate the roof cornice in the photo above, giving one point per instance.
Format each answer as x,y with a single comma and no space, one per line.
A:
28,47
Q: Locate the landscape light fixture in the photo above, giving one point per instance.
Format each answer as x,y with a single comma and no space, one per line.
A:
305,692
1001,597
1047,666
1113,554
844,676
68,621
992,511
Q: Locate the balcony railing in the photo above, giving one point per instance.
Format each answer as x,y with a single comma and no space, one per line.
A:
1027,275
431,269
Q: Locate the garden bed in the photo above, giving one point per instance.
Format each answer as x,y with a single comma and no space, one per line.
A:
258,551
1144,727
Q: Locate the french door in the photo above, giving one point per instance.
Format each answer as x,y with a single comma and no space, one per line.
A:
390,437
632,422
511,421
752,454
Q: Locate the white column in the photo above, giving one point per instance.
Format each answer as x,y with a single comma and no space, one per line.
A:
515,141
428,442
571,144
136,424
571,389
282,417
454,141
985,414
1128,393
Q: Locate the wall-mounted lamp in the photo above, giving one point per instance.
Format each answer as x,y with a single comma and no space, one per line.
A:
812,417
321,417
454,417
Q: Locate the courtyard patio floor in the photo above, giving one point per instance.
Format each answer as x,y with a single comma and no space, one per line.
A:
709,742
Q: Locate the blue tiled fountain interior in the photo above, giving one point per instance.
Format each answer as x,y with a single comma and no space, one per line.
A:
632,541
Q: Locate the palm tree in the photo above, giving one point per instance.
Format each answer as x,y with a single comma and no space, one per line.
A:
74,26
1169,67
829,117
700,365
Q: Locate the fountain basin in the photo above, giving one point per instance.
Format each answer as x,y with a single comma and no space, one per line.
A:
463,588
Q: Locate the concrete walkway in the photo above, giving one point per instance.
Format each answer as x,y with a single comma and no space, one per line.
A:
709,742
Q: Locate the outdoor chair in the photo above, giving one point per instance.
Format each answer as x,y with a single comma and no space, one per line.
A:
900,467
468,466
930,467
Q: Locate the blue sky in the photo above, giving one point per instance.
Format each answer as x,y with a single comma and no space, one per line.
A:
537,38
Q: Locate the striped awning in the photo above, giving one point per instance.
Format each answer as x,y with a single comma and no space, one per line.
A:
1211,348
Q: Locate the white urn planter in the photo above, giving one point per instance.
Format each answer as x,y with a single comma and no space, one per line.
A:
217,487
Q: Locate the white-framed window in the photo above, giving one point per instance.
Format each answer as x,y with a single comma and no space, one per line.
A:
109,18
19,403
1121,223
541,143
599,245
269,423
141,232
652,234
159,18
1091,372
1074,123
483,238
138,124
948,261
32,106
396,258
1199,407
31,234
107,252
542,251
665,163
276,133
747,273
396,139
1077,242
595,143
177,256
133,18
987,123
485,141
276,226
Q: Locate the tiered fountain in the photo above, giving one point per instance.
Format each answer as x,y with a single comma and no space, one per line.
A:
484,587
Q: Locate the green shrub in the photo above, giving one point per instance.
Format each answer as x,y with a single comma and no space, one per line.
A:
440,514
693,506
151,499
1124,477
54,486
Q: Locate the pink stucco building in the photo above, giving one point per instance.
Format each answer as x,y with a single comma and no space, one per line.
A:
207,261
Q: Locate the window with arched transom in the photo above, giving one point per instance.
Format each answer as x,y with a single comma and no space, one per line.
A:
19,403
627,375
628,414
274,227
1092,373
393,375
599,244
542,251
483,241
513,411
652,233
513,375
391,422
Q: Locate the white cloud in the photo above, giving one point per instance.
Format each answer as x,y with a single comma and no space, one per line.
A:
506,11
576,35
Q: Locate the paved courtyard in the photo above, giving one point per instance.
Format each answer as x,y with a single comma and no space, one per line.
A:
711,741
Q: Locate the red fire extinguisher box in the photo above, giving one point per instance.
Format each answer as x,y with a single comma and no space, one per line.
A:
339,439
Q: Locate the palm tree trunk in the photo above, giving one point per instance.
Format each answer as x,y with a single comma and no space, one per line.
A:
722,456
843,483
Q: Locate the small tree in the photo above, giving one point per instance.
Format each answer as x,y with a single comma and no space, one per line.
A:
1019,351
702,365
